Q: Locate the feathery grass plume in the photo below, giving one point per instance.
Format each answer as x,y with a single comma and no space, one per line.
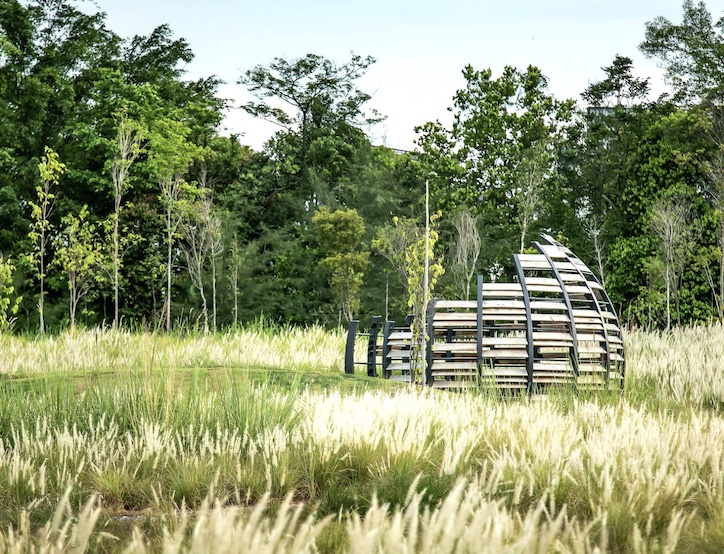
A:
423,470
63,533
290,348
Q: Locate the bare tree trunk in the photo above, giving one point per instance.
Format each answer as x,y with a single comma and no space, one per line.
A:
41,300
721,275
668,296
235,287
116,263
467,250
235,260
73,302
593,228
128,143
169,236
671,222
172,192
599,263
202,241
216,248
213,289
204,310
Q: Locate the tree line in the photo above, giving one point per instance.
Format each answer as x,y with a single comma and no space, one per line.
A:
122,203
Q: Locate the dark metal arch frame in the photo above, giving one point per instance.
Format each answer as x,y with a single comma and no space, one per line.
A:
567,302
567,251
528,321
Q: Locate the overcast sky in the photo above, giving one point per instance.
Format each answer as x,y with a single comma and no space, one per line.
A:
421,46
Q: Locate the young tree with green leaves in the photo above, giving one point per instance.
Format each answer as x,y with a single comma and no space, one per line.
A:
467,250
51,169
671,222
340,233
535,167
9,301
79,254
201,235
128,146
171,154
403,244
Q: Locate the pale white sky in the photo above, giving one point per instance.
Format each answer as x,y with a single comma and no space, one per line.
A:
421,46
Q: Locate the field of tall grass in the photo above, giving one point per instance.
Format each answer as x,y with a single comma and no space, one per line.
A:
255,441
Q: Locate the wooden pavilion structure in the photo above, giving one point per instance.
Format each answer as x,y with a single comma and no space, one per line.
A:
553,326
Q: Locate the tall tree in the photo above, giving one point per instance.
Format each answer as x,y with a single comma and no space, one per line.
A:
79,255
611,192
340,233
671,222
714,168
620,88
129,142
407,245
500,151
691,52
318,93
51,169
171,156
467,250
317,158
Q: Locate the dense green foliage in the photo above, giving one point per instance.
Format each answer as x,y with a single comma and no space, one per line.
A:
141,150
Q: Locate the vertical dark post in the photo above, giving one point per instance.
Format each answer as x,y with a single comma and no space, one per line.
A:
349,349
570,256
430,340
449,336
372,347
480,328
528,321
610,308
569,307
386,332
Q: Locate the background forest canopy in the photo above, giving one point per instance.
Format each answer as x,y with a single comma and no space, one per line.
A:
121,201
